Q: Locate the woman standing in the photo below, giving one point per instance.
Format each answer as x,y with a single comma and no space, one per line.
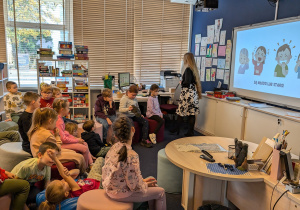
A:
190,95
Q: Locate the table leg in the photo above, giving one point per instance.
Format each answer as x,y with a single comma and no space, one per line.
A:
207,190
187,190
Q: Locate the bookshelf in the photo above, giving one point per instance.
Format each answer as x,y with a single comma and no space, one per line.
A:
72,77
3,90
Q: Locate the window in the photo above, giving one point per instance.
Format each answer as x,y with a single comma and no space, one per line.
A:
106,27
161,31
141,37
30,25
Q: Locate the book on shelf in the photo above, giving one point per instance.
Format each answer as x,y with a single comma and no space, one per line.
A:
81,46
81,55
64,42
65,52
81,58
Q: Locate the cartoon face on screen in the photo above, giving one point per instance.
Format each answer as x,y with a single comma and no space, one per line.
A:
297,67
244,61
283,57
258,60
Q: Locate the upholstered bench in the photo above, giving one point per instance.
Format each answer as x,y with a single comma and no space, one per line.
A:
161,133
169,176
137,135
152,125
11,154
97,199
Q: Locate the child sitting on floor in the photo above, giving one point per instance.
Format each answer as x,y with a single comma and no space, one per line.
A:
96,147
13,102
36,169
121,173
32,101
128,104
59,190
154,112
61,106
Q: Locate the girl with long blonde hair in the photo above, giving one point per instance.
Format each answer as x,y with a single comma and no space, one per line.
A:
43,122
190,94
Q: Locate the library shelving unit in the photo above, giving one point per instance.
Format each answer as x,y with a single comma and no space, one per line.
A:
3,90
72,77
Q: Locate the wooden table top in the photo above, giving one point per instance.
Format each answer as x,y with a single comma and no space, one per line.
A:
191,161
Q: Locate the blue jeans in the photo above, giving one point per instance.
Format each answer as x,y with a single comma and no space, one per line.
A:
105,124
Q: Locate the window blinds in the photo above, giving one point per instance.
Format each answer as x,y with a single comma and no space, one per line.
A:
142,37
106,27
2,36
161,31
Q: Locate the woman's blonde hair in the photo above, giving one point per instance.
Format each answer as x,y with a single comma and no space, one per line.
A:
71,127
59,103
55,194
40,117
190,61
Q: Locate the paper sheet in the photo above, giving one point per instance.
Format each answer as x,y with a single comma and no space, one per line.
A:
220,73
207,75
198,62
209,50
215,50
197,48
226,77
203,50
208,62
213,74
222,51
203,62
215,62
202,75
222,37
203,41
228,58
211,31
198,38
221,63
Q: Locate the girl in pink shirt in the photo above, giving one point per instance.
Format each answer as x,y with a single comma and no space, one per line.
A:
121,174
61,106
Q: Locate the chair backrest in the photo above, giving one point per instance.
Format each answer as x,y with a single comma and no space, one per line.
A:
177,94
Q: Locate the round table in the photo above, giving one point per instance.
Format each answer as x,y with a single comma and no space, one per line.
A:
198,184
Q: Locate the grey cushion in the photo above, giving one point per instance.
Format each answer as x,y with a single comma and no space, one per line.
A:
8,126
11,154
169,176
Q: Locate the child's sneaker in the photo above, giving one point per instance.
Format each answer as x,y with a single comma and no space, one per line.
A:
146,143
153,137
